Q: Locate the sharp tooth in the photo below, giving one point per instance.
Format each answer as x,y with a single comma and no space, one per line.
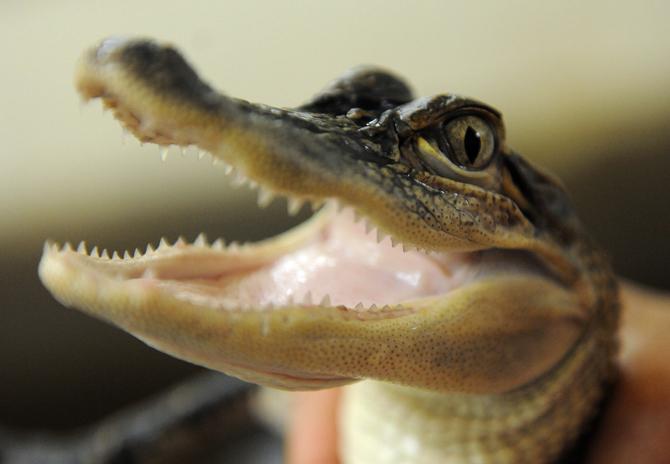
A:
407,248
126,254
124,135
95,253
181,241
150,248
239,179
48,247
163,152
81,249
104,254
234,246
368,226
115,255
252,183
380,235
215,161
265,197
359,307
200,240
373,307
219,244
182,150
227,169
163,244
201,154
394,242
137,253
315,204
308,298
67,247
294,205
325,301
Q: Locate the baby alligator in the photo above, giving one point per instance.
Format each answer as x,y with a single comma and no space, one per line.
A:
446,280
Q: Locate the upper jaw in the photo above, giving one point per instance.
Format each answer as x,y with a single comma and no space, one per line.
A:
304,155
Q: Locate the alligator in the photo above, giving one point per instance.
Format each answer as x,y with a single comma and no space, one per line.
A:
445,280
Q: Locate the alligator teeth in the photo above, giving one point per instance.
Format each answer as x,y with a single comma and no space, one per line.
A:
325,301
316,204
104,254
163,150
239,179
81,249
308,298
294,205
369,227
94,252
126,254
137,253
200,240
201,154
150,249
380,235
219,244
265,197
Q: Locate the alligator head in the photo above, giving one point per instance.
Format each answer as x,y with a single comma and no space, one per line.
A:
470,281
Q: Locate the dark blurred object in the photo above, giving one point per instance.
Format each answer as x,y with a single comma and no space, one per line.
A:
623,198
198,420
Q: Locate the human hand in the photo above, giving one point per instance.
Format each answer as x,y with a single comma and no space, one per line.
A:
635,429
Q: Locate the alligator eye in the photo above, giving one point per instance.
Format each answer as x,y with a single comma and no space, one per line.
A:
471,140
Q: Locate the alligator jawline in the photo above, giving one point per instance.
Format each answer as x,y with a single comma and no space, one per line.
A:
330,260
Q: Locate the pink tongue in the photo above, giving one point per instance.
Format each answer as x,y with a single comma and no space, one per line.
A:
351,267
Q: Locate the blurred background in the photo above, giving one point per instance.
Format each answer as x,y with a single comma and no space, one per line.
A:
583,86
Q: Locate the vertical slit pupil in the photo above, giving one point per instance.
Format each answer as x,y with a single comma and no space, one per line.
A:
472,144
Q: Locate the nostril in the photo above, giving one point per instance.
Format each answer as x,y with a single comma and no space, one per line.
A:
108,46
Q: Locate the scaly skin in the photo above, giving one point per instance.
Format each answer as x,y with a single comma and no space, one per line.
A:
489,337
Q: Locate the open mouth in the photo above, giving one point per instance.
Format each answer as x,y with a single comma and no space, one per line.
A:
360,260
338,258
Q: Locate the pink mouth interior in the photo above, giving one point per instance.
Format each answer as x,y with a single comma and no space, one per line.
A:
342,262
